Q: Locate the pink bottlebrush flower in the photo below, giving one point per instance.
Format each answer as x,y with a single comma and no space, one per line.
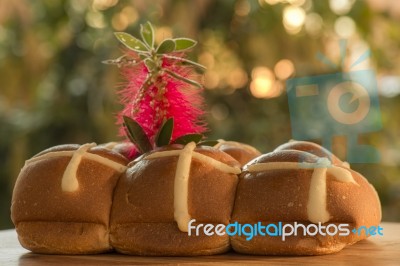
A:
158,88
164,98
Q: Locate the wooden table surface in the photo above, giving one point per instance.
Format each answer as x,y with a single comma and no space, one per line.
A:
377,250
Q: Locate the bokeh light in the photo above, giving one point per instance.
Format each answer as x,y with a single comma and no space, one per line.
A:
263,83
270,2
284,69
163,33
345,27
237,78
242,8
103,4
211,80
95,19
123,19
341,7
313,24
293,18
220,111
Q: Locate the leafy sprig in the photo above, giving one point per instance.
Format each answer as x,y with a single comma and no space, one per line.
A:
152,55
138,136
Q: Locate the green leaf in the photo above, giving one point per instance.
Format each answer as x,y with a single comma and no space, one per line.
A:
137,135
147,33
143,56
167,46
182,44
128,133
211,143
164,135
191,82
185,139
121,61
184,60
131,42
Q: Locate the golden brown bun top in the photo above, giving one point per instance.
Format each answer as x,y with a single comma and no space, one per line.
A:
206,150
284,156
310,147
38,193
242,152
127,149
99,150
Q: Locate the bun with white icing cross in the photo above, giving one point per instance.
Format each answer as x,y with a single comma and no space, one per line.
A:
292,186
62,199
242,152
166,188
124,148
313,148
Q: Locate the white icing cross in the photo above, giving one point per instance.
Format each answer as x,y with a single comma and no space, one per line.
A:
316,207
235,144
69,181
181,184
181,187
215,163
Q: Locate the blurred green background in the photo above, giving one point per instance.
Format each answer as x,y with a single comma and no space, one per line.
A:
54,89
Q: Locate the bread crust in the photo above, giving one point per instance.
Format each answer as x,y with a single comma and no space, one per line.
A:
282,195
142,217
50,220
241,152
299,245
127,149
51,237
310,147
164,239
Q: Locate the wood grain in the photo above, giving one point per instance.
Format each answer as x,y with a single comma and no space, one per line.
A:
377,250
